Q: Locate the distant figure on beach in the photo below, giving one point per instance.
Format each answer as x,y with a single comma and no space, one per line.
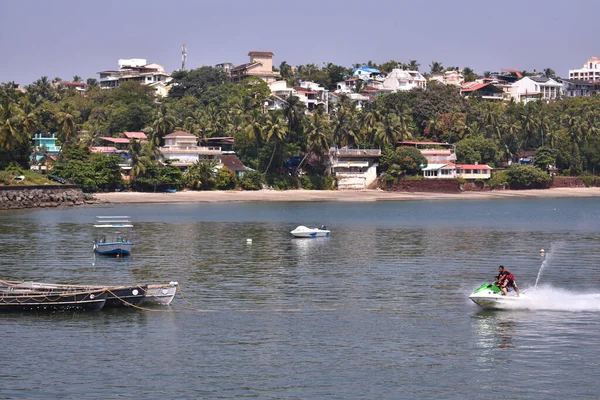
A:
506,281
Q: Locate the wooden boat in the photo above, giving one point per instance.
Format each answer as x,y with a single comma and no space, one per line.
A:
112,236
118,296
19,301
162,294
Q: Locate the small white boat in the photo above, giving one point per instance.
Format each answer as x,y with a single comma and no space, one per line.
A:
111,237
490,296
161,294
305,232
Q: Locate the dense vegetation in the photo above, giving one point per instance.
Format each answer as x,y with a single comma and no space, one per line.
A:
203,102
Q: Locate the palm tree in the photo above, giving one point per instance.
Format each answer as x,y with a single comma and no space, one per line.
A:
388,129
10,124
549,73
275,131
344,127
76,78
68,127
139,160
413,65
316,139
293,111
163,124
255,126
436,67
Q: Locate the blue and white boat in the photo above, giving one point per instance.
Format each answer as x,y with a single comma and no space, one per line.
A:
112,236
305,232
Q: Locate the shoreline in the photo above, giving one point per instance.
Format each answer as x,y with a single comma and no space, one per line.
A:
334,196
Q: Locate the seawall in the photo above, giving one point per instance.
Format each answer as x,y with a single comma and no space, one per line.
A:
20,197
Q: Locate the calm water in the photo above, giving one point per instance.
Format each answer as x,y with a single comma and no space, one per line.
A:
378,310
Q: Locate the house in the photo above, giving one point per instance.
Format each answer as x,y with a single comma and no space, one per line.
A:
532,88
486,91
183,150
452,77
260,65
321,94
225,67
474,171
434,152
45,151
367,74
225,143
354,168
137,70
79,87
402,80
233,163
439,171
122,142
347,86
577,87
589,73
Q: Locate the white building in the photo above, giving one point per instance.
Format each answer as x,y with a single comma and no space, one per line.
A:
182,148
354,168
401,80
577,87
590,71
453,171
137,70
453,77
533,88
439,171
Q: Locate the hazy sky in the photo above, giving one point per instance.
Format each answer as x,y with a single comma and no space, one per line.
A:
81,37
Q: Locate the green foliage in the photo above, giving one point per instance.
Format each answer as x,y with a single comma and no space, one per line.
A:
477,150
202,175
6,177
196,82
252,180
282,182
315,182
225,179
527,177
158,178
410,160
93,172
498,179
545,157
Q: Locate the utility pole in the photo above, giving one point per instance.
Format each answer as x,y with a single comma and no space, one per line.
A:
183,56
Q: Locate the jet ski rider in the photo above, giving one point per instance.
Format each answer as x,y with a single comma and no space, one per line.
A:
505,281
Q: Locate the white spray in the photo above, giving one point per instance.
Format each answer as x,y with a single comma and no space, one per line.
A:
547,260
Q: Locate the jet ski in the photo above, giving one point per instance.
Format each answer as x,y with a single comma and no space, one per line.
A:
490,296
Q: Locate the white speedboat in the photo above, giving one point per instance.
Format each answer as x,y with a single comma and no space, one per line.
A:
490,296
305,232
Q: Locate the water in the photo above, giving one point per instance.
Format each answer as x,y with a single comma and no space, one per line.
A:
378,310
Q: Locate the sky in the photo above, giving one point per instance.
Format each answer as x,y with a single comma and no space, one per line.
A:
63,38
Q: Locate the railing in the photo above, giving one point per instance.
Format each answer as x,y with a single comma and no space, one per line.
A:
358,152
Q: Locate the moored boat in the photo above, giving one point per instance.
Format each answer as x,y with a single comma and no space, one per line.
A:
162,294
117,296
20,301
305,232
112,236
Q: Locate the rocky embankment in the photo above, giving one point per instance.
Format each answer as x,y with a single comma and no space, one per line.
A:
18,197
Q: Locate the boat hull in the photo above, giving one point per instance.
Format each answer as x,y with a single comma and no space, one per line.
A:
304,232
52,302
113,248
160,294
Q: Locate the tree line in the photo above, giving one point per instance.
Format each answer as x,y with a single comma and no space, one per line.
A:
205,103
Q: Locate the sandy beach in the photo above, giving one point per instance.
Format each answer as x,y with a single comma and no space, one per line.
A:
320,195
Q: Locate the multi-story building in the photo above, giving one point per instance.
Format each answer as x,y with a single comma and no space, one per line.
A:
260,65
486,91
577,87
354,168
452,77
402,80
137,70
44,149
182,148
533,88
590,71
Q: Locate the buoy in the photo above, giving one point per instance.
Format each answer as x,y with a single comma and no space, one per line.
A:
248,240
542,251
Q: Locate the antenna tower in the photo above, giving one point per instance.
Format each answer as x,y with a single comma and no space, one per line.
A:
183,56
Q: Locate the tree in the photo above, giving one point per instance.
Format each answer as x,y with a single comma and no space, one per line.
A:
202,175
163,124
436,67
469,74
76,78
275,132
549,73
196,82
413,65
